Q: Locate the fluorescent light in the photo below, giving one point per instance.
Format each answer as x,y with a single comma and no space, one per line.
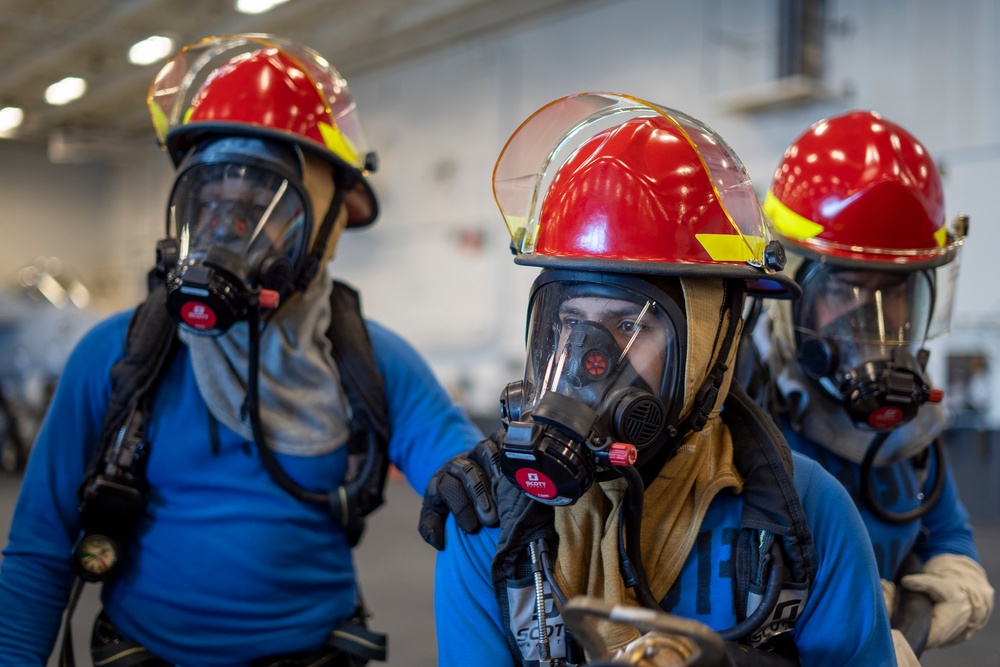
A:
150,50
257,6
65,91
10,118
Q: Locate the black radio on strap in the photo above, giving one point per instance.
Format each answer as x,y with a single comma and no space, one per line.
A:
114,492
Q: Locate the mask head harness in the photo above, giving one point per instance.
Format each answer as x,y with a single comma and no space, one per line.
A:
859,335
240,232
602,383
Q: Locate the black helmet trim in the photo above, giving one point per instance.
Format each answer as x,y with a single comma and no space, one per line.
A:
816,253
755,281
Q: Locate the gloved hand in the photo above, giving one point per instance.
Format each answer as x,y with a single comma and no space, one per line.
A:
905,657
962,595
464,487
889,593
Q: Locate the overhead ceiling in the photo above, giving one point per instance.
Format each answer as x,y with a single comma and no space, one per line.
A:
43,41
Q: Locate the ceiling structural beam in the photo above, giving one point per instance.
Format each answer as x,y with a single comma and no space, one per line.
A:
16,74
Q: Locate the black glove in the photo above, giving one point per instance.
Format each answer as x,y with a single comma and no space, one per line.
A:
464,486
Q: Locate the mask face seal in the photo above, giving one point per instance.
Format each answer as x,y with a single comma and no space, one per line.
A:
240,222
602,385
860,334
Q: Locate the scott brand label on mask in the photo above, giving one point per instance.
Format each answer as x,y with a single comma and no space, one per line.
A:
197,315
536,484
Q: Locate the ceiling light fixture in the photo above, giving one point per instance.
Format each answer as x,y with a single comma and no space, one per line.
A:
65,91
150,50
257,6
10,118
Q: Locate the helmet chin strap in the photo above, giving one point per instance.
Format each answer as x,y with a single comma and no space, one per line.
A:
341,183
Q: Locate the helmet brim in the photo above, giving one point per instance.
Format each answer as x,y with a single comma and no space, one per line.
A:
756,282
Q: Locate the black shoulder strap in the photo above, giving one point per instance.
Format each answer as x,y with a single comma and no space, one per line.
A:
368,450
148,343
352,350
771,502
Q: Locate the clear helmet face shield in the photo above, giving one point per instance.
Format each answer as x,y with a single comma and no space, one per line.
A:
860,333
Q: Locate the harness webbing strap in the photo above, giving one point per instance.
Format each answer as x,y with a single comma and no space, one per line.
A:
352,350
368,455
150,338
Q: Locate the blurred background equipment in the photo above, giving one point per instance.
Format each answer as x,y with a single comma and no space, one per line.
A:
42,315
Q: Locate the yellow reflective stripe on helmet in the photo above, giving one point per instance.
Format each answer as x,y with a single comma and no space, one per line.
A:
522,240
340,145
788,222
731,247
161,124
941,236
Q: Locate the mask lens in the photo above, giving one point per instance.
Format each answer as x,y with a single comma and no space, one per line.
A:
866,314
590,341
248,210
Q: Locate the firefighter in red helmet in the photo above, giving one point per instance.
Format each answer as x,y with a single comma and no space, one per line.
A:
858,203
229,435
628,468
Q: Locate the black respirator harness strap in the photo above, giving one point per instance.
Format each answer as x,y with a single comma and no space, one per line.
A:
771,509
708,393
705,399
314,260
118,461
149,341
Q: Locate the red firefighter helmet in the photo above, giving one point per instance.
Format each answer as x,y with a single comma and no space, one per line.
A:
860,189
608,182
263,86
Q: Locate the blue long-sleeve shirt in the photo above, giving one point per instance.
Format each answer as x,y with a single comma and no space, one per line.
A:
844,621
899,488
225,566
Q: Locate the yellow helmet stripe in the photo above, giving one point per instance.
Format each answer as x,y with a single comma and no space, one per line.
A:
731,247
941,236
787,221
339,144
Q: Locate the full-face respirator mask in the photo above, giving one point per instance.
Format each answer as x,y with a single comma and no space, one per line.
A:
605,363
239,224
859,334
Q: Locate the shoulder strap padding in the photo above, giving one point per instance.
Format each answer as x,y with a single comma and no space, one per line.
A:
352,350
764,459
148,342
364,387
